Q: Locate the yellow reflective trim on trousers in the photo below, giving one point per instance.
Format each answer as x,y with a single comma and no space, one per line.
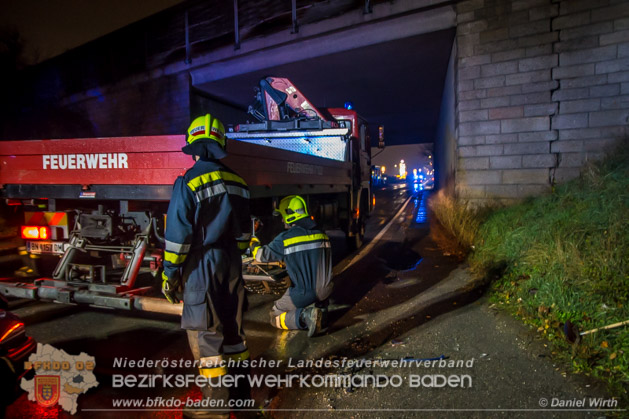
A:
199,181
174,247
283,320
174,257
241,356
308,238
213,372
210,361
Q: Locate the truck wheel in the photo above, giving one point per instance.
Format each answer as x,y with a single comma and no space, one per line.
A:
7,386
356,241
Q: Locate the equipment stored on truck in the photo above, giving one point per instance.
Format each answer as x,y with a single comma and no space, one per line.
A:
94,208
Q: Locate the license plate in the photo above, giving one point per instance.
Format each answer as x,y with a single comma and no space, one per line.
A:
55,248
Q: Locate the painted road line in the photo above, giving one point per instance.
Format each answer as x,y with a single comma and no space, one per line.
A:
337,270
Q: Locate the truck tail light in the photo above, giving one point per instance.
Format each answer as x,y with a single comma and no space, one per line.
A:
13,330
36,232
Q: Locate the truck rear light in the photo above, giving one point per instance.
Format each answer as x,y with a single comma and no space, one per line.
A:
55,223
13,331
35,232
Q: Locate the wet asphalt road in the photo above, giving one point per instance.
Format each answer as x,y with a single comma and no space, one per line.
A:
108,334
391,301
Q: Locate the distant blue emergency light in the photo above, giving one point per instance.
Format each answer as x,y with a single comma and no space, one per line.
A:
349,105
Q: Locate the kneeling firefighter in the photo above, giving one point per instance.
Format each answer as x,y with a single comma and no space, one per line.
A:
306,251
206,228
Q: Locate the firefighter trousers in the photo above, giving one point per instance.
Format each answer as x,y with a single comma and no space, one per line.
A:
214,303
286,311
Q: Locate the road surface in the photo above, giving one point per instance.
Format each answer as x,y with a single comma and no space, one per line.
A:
386,296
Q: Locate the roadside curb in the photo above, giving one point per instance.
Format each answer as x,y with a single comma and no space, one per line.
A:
381,325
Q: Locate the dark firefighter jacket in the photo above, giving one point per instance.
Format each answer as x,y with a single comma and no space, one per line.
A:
209,210
307,253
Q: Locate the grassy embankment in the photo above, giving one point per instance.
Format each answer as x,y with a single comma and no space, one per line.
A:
556,258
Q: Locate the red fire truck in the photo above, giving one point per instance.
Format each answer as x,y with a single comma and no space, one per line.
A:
96,207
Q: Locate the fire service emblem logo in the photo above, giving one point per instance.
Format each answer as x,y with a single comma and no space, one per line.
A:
47,388
74,376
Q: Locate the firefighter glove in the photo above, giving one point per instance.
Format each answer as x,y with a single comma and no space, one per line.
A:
170,288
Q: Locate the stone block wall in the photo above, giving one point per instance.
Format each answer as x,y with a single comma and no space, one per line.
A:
137,106
542,87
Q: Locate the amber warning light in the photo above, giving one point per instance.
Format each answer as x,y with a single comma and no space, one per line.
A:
35,232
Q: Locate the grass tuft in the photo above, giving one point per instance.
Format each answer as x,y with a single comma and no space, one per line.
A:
455,223
561,257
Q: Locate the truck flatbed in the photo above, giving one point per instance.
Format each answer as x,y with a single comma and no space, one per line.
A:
91,168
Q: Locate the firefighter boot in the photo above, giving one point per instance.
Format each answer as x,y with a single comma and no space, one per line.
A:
214,404
241,392
311,318
323,305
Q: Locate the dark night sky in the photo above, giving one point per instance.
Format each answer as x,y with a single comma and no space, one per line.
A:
51,27
412,154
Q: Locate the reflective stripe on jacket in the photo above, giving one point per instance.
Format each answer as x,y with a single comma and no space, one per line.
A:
307,253
209,207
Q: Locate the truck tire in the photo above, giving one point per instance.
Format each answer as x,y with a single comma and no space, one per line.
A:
356,241
7,386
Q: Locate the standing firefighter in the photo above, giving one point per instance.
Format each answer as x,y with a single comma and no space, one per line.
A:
306,251
206,224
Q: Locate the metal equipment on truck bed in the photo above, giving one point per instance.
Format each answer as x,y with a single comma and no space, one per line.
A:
95,207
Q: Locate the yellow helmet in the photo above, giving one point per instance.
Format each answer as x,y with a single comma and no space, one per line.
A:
292,208
206,127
